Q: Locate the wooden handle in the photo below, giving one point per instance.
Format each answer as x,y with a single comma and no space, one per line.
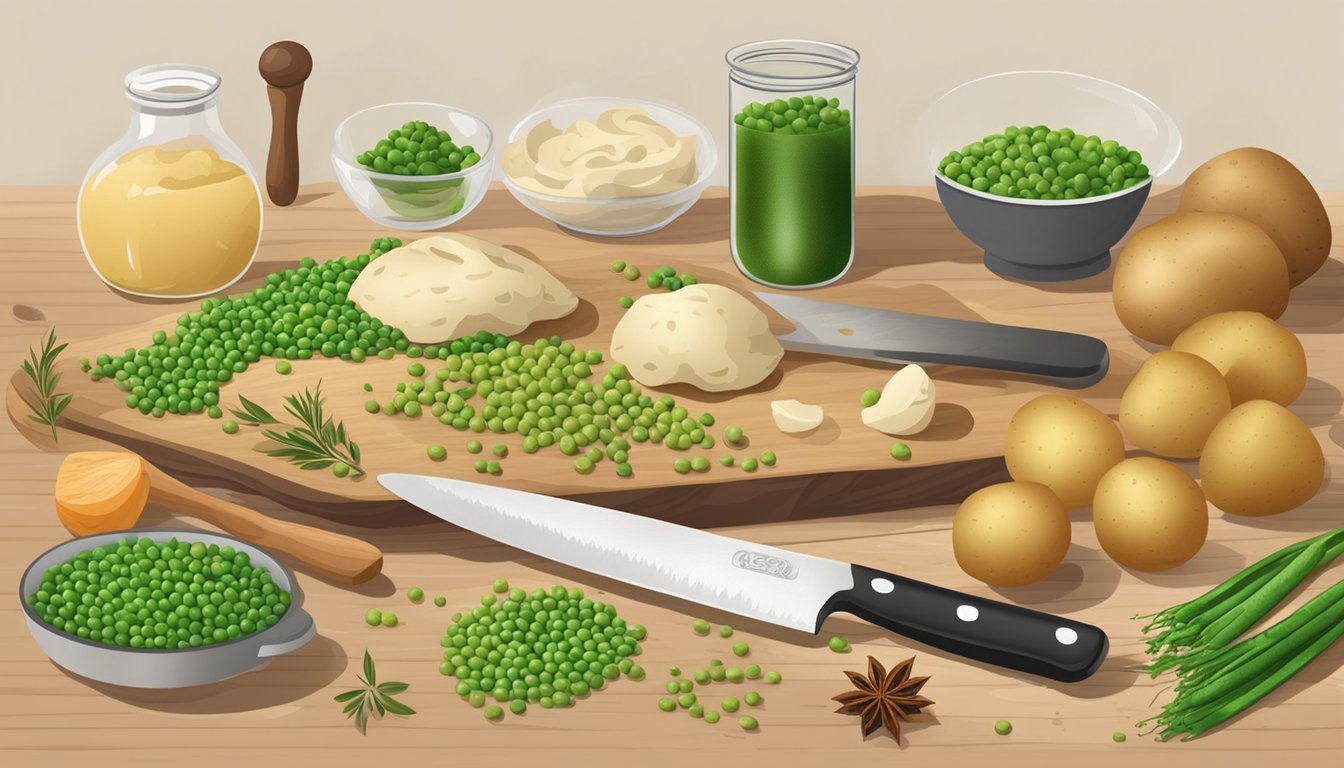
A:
285,66
338,557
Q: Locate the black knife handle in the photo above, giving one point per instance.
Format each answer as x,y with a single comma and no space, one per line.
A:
996,633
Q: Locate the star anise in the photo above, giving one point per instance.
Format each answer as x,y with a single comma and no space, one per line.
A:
884,698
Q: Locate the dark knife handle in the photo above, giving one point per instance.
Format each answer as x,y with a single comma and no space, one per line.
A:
985,630
1070,359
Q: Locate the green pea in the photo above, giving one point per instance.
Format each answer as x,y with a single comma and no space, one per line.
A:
480,466
474,446
748,723
626,302
372,406
717,673
500,449
373,617
773,678
494,713
518,706
493,468
725,631
869,398
733,434
701,676
700,627
636,672
440,601
711,716
682,466
700,464
752,699
1118,737
768,458
618,266
900,452
686,700
838,644
752,671
749,464
730,704
1003,727
631,273
389,619
696,710
499,585
667,705
734,674
340,469
436,452
654,280
726,460
674,671
229,426
415,594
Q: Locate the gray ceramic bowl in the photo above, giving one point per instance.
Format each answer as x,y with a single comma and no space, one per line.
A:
1043,240
142,668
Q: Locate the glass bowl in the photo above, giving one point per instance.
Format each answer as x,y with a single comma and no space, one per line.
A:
617,217
1046,240
412,202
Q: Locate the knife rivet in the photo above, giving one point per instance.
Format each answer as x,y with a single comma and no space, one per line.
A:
968,612
883,586
1066,636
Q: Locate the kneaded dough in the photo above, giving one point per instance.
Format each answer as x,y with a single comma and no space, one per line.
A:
705,335
440,288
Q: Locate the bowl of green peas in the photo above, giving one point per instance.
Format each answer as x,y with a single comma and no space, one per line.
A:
414,165
160,608
1046,200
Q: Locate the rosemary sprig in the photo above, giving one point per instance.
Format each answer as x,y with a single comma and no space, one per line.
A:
45,402
319,442
251,414
373,696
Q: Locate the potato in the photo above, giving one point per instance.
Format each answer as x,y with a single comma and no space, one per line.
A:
442,287
1172,404
1010,534
1191,265
1149,514
1260,359
1261,460
705,335
1064,444
1270,192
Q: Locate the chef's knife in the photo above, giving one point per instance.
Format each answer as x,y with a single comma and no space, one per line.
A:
760,582
845,330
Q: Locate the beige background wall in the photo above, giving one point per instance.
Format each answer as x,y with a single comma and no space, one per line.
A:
1231,73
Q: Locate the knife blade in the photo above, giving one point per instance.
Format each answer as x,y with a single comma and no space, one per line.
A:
1069,359
773,585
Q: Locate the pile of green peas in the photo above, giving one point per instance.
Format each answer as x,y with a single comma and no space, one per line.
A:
794,115
139,593
546,647
1037,163
418,149
297,314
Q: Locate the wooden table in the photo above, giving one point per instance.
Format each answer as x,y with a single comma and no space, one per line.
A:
284,713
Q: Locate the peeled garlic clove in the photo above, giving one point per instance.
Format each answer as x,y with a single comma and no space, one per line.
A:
906,405
794,417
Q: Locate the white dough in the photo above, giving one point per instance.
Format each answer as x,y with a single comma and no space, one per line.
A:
708,336
442,287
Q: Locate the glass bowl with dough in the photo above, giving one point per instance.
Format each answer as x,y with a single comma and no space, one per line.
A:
412,202
608,166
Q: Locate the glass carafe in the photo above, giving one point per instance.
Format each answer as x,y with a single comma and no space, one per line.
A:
172,209
791,162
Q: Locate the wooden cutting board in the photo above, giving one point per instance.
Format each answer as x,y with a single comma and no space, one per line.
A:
909,257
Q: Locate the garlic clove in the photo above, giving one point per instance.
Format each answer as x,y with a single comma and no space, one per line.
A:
906,405
793,417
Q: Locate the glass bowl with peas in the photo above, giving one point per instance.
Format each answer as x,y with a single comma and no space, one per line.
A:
617,208
162,608
414,165
1046,200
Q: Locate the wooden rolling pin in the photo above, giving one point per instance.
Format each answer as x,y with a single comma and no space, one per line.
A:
99,491
284,66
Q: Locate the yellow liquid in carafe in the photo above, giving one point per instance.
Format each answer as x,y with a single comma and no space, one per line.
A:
170,222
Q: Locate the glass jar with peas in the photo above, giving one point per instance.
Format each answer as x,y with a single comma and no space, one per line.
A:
791,161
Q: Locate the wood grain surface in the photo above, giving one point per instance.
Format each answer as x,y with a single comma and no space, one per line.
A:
909,255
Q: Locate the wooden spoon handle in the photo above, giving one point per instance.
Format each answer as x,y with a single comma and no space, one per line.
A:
282,164
333,555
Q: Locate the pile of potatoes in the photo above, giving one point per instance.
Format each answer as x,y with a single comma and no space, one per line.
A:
1209,281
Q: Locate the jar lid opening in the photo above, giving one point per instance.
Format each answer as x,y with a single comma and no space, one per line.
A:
792,63
171,85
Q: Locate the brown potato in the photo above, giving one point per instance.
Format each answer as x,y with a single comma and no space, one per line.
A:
1261,460
1064,444
1260,359
1011,534
1149,514
1270,192
1191,265
1173,403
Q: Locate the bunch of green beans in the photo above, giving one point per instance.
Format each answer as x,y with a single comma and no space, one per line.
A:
297,314
545,647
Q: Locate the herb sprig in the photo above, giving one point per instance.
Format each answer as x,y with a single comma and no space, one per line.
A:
372,697
320,442
45,402
251,414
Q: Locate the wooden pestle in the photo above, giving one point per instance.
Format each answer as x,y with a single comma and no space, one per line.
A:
284,66
99,491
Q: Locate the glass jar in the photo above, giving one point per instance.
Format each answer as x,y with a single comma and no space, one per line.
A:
791,161
172,209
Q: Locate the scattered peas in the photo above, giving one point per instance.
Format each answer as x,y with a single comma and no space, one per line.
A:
623,469
474,446
416,369
768,458
518,706
637,631
674,671
673,687
1118,737
499,449
340,469
686,700
685,686
869,398
480,466
654,280
626,302
493,468
729,704
1003,727
389,619
900,452
284,368
717,673
229,426
214,412
752,699
494,712
682,466
734,674
372,406
631,272
733,434
748,723
584,465
773,678
667,705
725,631
440,601
726,460
499,586
618,266
415,594
700,627
476,698
749,464
753,671
696,710
436,452
838,644
635,673
701,676
711,716
368,387
373,617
